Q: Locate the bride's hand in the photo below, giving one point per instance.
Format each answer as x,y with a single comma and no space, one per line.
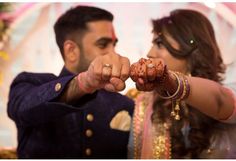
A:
146,73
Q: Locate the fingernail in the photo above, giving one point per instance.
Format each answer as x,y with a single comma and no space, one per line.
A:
140,81
110,87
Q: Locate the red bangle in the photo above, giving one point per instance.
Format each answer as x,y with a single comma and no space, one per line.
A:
82,86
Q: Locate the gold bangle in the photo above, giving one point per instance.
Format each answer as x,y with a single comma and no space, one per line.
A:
184,89
177,90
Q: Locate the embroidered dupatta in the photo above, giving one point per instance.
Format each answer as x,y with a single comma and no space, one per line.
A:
150,142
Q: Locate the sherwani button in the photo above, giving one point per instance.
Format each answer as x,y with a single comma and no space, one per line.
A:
89,133
90,117
57,87
88,151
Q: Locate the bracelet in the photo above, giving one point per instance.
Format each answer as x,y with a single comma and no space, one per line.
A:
184,95
184,91
181,93
186,87
82,87
177,90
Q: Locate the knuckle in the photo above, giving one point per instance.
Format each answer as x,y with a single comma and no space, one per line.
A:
124,76
97,73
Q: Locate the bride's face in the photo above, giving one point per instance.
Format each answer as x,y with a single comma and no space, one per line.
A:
158,50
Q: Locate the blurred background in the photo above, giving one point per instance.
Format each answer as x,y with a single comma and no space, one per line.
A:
27,40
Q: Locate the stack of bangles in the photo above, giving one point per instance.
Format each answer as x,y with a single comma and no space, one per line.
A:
182,92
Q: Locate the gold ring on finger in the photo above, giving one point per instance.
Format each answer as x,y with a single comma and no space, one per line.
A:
150,65
107,65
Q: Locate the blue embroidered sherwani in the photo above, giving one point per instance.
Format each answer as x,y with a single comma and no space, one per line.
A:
48,128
